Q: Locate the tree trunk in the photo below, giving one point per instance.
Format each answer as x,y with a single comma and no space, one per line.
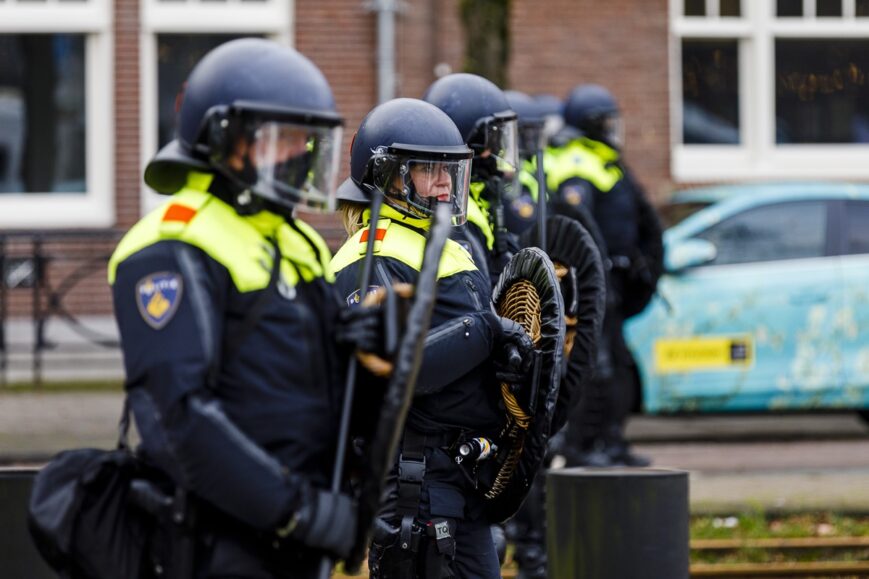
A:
487,47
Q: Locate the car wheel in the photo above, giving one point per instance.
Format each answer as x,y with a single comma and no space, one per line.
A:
864,414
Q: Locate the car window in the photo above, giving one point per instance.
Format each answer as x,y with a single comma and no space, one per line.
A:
772,232
857,227
677,212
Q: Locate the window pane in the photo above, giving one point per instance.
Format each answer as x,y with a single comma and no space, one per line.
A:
774,232
731,8
829,7
695,7
177,54
822,93
789,8
710,92
862,7
857,228
42,113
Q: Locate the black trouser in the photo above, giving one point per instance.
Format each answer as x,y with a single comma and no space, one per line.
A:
528,530
446,497
599,418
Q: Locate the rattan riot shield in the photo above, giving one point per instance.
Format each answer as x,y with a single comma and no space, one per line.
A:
578,265
527,292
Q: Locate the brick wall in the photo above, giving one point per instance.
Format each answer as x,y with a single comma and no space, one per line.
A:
340,36
126,93
621,44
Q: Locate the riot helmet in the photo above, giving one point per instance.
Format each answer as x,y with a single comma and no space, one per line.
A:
552,109
484,117
592,109
262,117
530,122
412,152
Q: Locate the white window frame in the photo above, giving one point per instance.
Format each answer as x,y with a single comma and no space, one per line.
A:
758,156
271,18
96,206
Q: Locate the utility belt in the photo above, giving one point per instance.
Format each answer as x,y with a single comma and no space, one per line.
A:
411,547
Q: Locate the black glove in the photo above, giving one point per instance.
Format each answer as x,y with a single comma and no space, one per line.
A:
361,327
513,354
325,521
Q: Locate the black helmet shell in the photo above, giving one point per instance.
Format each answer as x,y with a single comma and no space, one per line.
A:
401,121
254,70
272,76
527,109
549,104
587,103
468,99
392,137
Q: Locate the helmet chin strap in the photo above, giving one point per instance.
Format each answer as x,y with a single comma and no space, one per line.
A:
230,189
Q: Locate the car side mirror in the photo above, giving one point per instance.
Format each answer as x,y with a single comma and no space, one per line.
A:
689,253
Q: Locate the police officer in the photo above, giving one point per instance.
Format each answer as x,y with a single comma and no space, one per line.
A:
520,203
488,125
432,525
227,315
588,172
552,108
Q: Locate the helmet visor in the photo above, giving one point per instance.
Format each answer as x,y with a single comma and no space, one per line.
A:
295,163
414,183
288,157
530,137
501,142
613,129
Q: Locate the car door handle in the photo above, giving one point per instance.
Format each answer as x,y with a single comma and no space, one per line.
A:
808,298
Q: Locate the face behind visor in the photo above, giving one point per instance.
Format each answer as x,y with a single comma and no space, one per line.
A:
613,131
286,157
415,180
495,142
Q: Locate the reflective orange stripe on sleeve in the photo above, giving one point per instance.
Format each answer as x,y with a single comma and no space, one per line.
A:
381,233
180,213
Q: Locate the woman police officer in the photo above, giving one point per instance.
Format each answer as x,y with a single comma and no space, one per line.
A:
432,524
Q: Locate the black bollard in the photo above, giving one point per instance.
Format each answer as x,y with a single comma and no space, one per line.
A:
617,523
19,558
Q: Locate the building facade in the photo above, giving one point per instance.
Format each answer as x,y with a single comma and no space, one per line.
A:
711,91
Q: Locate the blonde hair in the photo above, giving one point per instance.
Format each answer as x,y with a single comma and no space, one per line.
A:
351,216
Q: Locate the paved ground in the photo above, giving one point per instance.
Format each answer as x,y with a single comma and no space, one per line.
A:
776,462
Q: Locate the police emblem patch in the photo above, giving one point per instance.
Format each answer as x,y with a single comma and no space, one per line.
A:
523,208
356,297
158,296
573,195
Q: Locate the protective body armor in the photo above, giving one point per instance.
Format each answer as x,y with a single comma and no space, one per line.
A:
219,425
452,396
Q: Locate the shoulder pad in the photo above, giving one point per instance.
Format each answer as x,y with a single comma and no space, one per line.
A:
379,236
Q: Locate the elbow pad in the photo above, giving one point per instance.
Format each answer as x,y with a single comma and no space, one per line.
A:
452,350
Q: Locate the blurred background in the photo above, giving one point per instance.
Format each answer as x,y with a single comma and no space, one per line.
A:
746,120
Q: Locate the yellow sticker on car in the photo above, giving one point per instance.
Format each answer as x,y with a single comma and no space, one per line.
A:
703,353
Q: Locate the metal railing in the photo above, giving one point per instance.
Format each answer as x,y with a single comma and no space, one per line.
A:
49,265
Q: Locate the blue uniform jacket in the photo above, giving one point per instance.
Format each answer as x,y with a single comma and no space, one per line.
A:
242,429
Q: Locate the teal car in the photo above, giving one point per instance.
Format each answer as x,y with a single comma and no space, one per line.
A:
764,305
